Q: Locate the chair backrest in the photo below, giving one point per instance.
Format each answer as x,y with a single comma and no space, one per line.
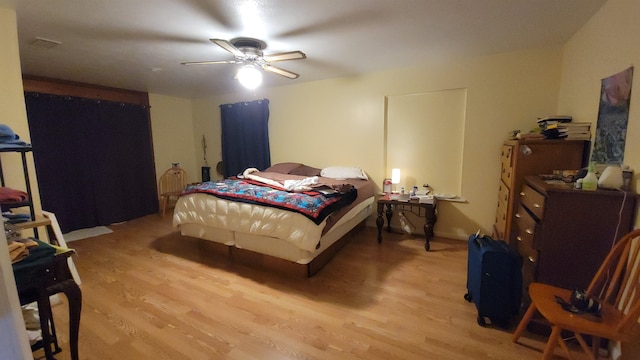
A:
173,180
617,281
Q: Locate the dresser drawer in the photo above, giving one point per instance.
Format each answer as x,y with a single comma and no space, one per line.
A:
506,160
529,273
526,226
533,200
525,238
500,227
503,192
501,221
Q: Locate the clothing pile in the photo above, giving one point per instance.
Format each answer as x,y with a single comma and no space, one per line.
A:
19,249
9,196
31,315
15,218
18,246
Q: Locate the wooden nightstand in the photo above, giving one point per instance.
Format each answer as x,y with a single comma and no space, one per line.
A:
429,211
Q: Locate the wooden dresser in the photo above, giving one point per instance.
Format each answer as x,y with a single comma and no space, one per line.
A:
530,157
564,234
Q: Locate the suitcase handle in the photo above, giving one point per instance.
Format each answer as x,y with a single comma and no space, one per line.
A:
480,240
477,239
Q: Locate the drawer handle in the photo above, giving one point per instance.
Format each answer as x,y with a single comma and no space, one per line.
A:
522,193
518,238
517,215
532,259
536,206
529,231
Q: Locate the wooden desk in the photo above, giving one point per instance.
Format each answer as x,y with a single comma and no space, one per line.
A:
36,281
387,206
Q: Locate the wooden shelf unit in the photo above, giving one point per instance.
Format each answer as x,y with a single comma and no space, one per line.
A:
35,221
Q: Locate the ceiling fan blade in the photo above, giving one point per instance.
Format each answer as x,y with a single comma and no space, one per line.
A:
289,55
280,71
228,46
209,62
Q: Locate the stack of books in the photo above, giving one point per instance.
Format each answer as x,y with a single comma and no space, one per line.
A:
577,130
529,136
550,126
555,119
562,127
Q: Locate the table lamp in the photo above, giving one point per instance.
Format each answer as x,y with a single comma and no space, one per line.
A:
395,178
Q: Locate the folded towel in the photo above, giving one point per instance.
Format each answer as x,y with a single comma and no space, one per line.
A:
15,246
17,251
12,218
8,137
300,185
28,243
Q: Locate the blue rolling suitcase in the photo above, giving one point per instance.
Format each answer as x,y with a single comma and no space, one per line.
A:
494,279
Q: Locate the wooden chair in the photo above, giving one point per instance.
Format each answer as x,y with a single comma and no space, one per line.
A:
615,285
170,186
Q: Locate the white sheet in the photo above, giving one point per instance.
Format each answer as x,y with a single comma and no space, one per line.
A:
241,217
277,247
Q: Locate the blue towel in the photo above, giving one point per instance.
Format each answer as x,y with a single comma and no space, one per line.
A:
13,218
8,138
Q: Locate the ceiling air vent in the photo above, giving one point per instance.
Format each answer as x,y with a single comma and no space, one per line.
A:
45,43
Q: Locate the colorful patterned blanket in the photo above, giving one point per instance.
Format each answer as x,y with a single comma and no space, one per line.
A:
312,204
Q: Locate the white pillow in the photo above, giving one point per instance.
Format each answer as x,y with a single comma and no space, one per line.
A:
343,172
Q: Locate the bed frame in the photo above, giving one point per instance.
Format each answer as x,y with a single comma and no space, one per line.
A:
278,265
246,251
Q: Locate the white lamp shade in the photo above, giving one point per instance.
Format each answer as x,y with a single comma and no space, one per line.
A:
395,176
249,77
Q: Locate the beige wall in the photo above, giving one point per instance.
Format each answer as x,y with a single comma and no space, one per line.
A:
606,45
208,124
173,132
341,121
13,342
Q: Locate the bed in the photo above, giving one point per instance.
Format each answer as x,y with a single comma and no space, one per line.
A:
252,219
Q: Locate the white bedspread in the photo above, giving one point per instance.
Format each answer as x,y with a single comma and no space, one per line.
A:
248,218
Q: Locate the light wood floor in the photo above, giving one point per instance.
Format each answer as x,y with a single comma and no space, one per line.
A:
149,293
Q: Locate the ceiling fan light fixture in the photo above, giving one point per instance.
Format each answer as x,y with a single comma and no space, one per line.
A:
249,76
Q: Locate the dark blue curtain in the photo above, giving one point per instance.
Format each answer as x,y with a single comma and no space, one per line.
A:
93,159
245,136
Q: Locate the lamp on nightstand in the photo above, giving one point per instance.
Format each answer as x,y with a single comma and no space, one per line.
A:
395,178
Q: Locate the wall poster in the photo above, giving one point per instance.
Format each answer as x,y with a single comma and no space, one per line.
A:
613,115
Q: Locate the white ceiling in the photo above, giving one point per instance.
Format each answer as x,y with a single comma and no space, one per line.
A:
119,43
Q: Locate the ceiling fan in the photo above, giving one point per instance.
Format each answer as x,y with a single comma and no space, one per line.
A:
248,52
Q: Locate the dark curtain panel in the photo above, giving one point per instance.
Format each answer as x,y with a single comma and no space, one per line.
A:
245,136
93,159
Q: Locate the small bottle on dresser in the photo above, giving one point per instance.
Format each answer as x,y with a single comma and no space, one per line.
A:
590,181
